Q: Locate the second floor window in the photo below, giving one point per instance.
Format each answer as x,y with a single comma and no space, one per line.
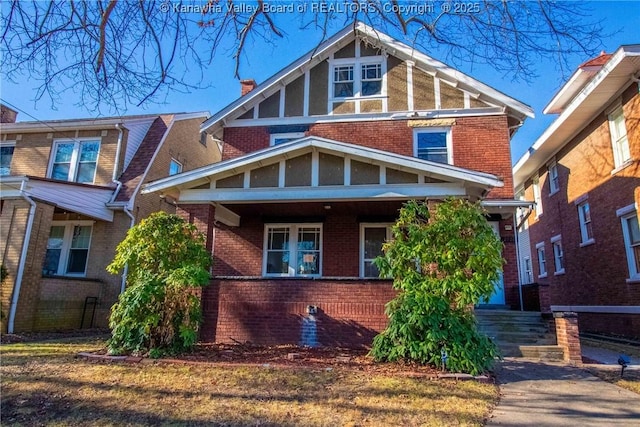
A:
75,161
537,196
619,140
554,181
433,145
558,254
584,215
6,155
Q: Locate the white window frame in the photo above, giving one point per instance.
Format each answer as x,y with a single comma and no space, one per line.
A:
293,253
363,225
554,180
434,129
75,157
4,144
537,195
584,229
357,64
285,135
528,270
558,255
65,250
542,261
619,143
174,161
625,214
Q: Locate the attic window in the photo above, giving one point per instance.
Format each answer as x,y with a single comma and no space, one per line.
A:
343,81
371,79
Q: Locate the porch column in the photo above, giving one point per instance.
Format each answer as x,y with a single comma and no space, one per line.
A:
203,217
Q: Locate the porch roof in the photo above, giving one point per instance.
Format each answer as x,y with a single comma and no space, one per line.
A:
89,200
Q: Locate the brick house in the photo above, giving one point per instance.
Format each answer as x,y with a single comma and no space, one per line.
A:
317,160
69,191
584,175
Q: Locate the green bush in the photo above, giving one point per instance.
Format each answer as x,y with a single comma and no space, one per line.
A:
159,312
442,263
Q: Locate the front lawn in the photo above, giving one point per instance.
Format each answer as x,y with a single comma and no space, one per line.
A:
43,384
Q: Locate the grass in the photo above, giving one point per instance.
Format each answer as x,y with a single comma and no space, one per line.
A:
630,381
43,384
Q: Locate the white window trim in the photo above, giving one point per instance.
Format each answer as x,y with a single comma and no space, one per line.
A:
66,246
619,163
554,240
9,144
274,136
546,270
552,169
363,225
537,195
583,225
293,240
634,276
528,274
434,129
74,156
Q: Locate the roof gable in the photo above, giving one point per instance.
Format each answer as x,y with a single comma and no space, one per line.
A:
371,45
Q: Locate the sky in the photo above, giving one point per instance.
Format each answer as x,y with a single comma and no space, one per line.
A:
620,18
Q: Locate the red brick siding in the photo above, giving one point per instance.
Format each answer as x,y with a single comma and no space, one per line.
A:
351,313
595,274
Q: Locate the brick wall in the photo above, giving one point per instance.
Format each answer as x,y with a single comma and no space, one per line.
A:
350,313
479,143
595,274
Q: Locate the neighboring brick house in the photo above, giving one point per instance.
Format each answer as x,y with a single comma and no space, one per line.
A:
584,175
317,161
69,191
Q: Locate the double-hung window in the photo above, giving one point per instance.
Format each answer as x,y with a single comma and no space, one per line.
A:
537,196
528,273
619,140
372,237
292,250
433,144
343,82
75,161
554,181
371,79
68,248
542,262
558,254
631,235
6,155
584,216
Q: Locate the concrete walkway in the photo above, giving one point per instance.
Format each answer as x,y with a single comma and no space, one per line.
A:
540,394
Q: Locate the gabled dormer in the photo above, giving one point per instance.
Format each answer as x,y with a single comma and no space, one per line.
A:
363,74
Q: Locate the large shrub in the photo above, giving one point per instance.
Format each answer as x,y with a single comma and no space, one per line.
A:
159,311
442,263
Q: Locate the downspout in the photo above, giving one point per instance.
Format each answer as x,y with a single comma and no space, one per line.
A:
125,208
23,258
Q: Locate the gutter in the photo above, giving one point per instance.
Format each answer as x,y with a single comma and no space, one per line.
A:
23,259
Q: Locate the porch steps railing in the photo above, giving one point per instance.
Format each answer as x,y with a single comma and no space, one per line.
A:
520,334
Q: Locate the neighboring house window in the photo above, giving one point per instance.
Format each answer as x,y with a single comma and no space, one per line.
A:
292,250
619,138
558,254
281,138
67,249
528,272
343,81
554,183
175,167
631,234
6,155
372,237
584,216
433,144
537,196
75,161
542,262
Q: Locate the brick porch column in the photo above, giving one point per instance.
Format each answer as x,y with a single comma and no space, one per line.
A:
567,333
202,216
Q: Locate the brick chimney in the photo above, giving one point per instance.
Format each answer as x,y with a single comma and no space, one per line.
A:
247,86
7,115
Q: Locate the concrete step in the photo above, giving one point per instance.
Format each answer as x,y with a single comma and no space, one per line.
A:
547,353
513,328
521,338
